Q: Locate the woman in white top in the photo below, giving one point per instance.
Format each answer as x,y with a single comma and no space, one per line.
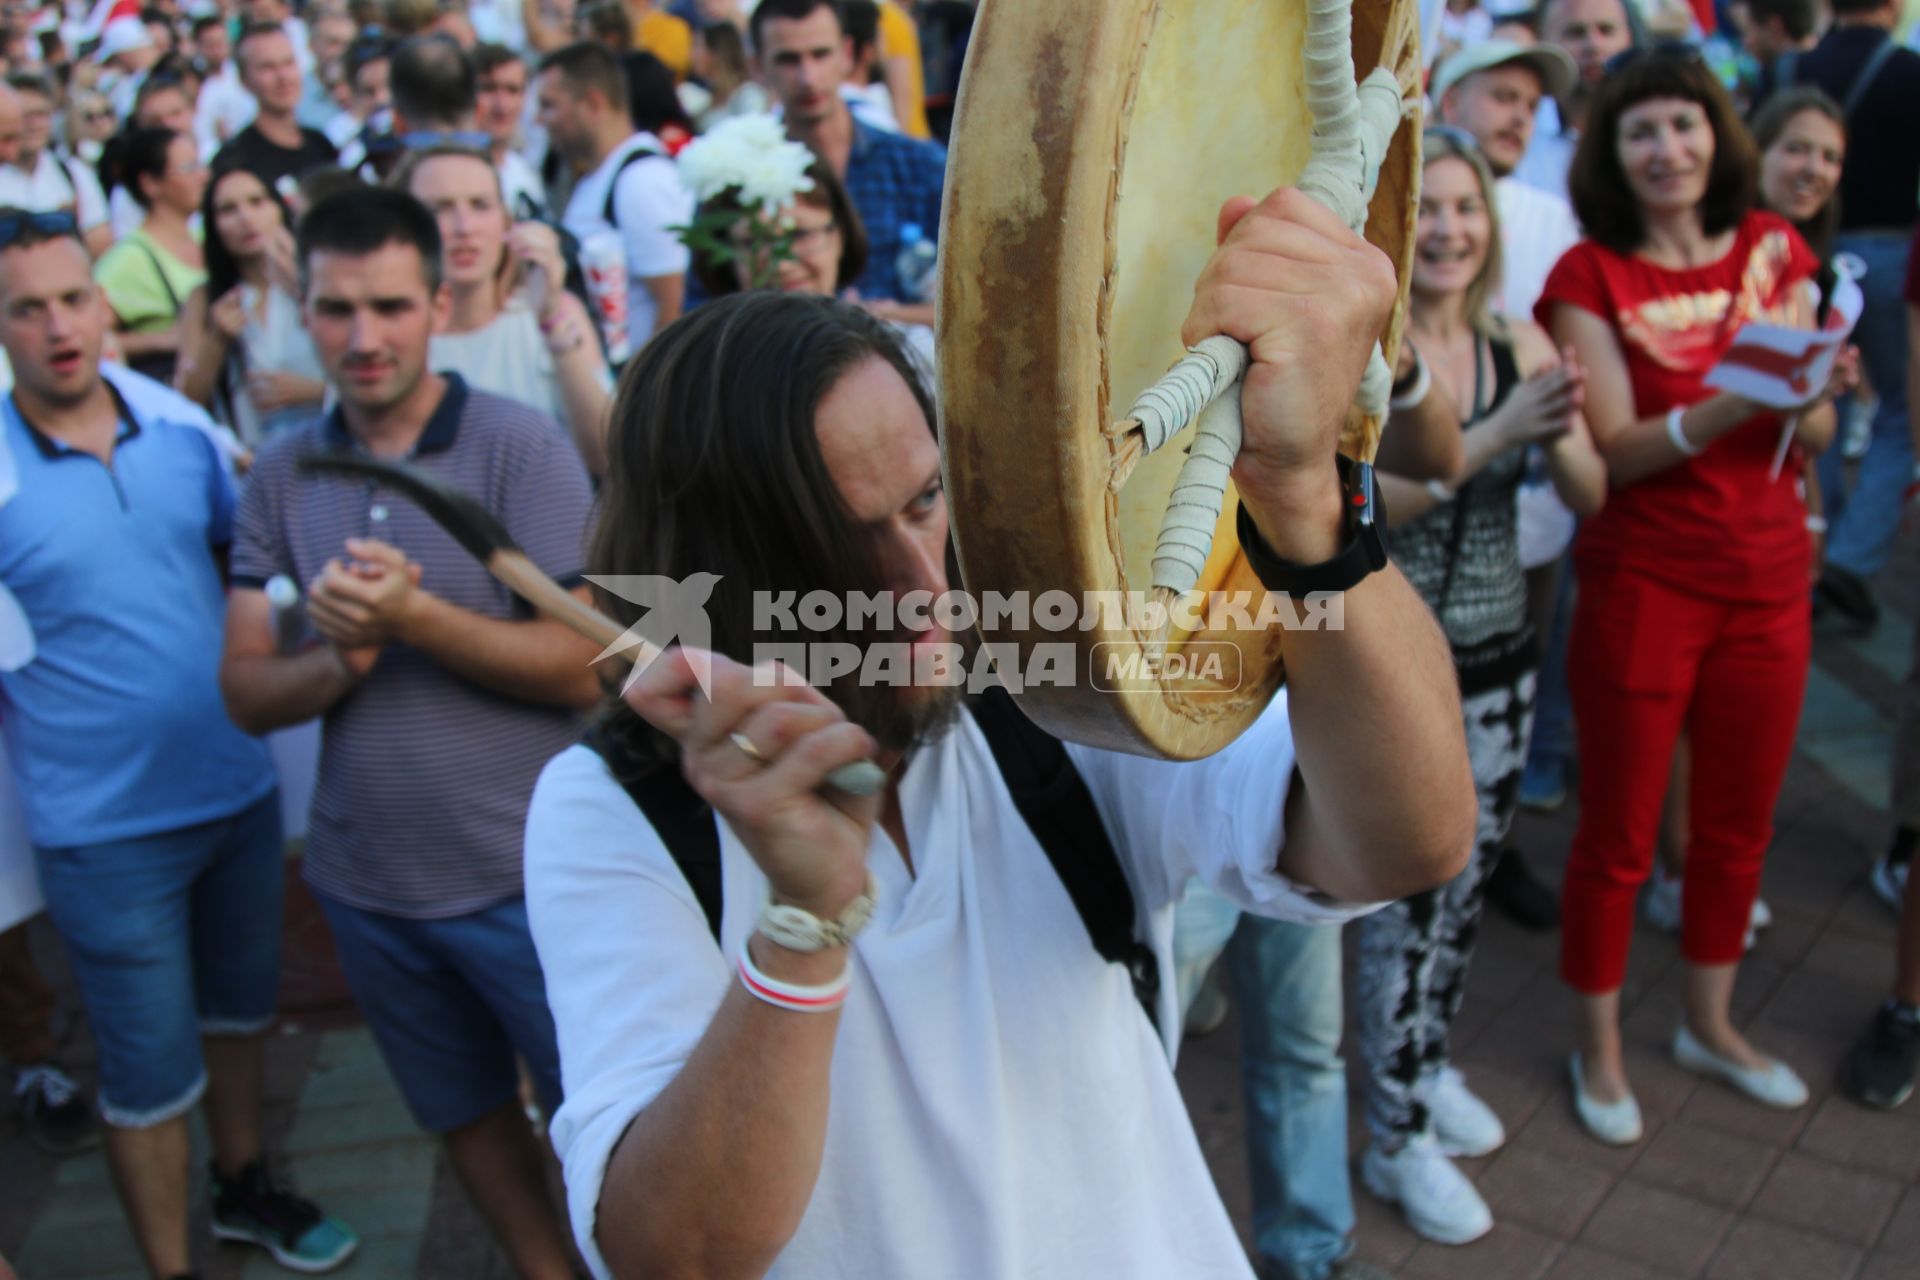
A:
514,330
246,354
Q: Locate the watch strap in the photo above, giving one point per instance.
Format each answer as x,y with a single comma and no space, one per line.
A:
1364,550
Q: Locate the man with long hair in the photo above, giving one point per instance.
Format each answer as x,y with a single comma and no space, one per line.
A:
972,1091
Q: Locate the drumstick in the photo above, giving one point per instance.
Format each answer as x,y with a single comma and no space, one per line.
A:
488,541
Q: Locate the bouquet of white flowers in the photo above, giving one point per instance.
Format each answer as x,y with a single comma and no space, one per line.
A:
743,173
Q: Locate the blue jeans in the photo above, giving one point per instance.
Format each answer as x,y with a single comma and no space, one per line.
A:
1552,744
1286,984
1863,524
450,1002
171,937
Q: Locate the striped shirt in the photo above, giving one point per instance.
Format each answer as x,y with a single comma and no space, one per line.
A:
424,776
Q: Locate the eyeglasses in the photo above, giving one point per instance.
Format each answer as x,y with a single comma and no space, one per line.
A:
1671,50
15,225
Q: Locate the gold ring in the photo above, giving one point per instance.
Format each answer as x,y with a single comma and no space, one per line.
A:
747,748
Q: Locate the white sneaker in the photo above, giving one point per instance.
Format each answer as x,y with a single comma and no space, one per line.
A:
1889,881
1617,1124
1438,1200
1660,904
1463,1126
1774,1085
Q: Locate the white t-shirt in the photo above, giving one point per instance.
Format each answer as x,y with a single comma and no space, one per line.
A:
1535,229
55,184
224,109
518,177
1001,1105
649,199
1550,155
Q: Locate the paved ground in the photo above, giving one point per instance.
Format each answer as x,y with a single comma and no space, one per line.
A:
1719,1188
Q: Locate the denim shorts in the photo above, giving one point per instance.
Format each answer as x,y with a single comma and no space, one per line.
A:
171,937
451,1001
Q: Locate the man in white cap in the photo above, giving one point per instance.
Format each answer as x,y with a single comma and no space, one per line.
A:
127,51
1491,91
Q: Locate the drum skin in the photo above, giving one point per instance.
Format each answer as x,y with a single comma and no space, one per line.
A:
1093,145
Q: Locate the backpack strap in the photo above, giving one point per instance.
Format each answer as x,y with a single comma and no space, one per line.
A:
1048,791
647,150
684,821
1059,810
1868,74
1786,69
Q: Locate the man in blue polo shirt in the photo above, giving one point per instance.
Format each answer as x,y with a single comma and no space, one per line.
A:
803,53
155,822
443,697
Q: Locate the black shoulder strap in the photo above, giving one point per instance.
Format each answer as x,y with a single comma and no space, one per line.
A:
645,151
1059,810
1868,74
1048,791
1786,69
684,821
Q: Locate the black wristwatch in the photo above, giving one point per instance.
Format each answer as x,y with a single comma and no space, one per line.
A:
1364,533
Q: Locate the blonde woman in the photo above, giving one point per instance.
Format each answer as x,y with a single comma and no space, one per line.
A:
1458,544
513,329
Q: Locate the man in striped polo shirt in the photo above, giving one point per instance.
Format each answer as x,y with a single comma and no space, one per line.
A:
442,697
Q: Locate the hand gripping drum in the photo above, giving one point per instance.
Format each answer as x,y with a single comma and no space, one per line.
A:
1094,143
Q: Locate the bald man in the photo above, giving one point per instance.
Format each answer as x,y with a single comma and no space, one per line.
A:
1591,32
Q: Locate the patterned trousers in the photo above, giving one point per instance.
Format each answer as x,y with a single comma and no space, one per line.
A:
1412,957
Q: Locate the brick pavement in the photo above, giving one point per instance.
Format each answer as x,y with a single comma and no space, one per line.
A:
1718,1189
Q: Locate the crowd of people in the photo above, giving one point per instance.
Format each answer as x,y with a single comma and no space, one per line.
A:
652,282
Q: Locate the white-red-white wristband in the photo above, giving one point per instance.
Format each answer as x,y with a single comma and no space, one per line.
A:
824,998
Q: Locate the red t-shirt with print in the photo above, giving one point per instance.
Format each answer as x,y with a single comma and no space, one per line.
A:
1717,525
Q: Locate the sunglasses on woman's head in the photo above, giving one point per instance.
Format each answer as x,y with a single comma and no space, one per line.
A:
1456,135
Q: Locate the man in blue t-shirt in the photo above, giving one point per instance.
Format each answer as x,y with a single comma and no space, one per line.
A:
155,822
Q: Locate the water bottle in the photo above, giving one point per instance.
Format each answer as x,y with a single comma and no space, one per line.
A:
603,261
915,264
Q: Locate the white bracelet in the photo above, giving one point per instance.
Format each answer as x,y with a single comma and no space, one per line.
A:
1816,524
1440,491
1679,437
1422,383
792,996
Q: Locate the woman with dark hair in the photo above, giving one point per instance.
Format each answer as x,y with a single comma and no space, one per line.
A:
829,251
1693,608
148,275
513,329
654,100
1802,137
246,354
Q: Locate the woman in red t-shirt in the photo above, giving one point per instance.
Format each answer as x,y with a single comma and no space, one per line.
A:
1693,608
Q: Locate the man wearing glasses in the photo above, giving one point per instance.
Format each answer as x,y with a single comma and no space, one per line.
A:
155,822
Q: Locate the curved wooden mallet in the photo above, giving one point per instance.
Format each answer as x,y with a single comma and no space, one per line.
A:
474,528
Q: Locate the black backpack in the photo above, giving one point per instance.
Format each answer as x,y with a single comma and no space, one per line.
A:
1048,791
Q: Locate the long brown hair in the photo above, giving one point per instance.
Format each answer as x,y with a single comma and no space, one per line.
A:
714,467
1771,121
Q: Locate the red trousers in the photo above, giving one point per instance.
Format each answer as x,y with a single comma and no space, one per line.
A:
1644,661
